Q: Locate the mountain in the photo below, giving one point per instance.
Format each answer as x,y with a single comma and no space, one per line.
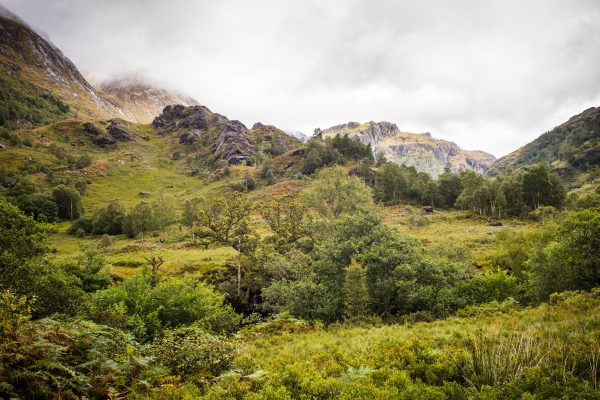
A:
30,63
420,150
141,101
25,56
572,149
303,137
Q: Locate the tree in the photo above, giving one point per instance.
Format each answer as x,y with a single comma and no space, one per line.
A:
449,187
334,193
189,216
21,239
289,219
572,260
155,261
68,201
142,218
109,220
226,221
164,211
540,187
356,291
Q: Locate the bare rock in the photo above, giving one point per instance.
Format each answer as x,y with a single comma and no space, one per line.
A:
234,144
120,130
189,137
91,129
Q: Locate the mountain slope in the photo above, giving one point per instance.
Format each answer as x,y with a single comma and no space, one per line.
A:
27,59
420,150
572,149
140,101
26,56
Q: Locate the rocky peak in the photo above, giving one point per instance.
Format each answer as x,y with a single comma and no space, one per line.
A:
368,133
420,150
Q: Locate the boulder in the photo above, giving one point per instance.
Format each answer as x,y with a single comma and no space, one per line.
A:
91,129
105,140
120,130
169,113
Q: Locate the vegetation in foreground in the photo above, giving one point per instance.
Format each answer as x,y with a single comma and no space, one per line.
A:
322,299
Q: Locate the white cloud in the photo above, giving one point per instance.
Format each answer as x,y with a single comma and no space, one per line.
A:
488,75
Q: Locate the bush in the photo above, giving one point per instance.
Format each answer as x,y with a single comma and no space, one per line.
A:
148,311
191,352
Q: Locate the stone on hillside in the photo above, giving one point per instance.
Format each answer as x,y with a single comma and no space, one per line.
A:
91,129
105,140
120,130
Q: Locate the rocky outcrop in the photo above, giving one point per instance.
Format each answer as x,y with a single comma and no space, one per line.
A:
369,133
272,140
91,129
120,130
178,116
419,150
234,144
189,137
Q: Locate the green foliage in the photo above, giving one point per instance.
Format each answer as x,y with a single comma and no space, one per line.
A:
71,359
333,193
21,239
142,219
289,219
108,220
571,260
22,101
331,151
226,221
194,354
491,286
68,201
357,302
147,310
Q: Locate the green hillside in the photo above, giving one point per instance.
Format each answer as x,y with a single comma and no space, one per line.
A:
572,149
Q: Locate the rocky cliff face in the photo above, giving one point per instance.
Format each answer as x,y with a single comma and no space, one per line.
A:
28,56
420,150
140,101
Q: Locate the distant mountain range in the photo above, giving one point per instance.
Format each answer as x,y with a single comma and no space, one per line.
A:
47,87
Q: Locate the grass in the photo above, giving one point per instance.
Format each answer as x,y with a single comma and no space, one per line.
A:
455,358
460,232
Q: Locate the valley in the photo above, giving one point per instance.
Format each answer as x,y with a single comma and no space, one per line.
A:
153,248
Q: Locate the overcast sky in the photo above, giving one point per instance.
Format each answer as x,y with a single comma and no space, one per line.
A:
489,75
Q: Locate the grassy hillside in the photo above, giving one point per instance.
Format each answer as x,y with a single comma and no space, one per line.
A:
572,149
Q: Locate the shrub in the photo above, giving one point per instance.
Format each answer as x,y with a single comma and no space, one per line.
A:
191,352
